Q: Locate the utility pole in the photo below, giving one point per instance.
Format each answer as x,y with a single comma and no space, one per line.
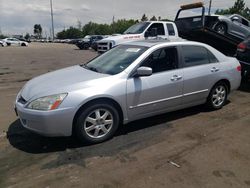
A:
209,9
52,20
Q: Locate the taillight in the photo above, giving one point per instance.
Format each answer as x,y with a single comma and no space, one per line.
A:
242,47
239,68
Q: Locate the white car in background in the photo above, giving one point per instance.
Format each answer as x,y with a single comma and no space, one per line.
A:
15,42
2,43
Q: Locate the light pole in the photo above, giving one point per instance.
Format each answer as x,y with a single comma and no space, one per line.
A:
52,20
209,9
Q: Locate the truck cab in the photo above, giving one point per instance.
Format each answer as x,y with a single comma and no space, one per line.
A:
140,31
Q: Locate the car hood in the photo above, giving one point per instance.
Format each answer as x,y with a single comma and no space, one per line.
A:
58,81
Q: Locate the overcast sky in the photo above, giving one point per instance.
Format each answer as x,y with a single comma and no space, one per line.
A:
19,16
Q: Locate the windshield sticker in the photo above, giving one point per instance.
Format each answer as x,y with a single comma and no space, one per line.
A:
134,50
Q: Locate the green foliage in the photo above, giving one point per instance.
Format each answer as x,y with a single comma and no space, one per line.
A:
27,36
153,18
144,18
71,33
122,25
2,36
92,28
38,30
239,7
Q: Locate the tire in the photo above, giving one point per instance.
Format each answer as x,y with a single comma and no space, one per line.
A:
86,46
97,123
221,28
217,96
23,44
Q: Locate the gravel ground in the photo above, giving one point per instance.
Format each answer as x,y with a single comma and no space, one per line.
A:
188,148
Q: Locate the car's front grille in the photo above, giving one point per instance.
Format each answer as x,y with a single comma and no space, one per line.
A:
103,46
22,100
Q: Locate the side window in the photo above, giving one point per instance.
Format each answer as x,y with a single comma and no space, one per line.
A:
245,22
162,60
159,28
212,58
195,55
171,31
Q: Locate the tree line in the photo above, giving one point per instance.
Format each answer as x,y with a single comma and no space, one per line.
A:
92,28
121,25
239,7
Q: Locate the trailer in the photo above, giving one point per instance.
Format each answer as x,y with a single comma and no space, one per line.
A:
201,28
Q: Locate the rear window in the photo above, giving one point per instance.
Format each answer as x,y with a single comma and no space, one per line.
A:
171,31
197,55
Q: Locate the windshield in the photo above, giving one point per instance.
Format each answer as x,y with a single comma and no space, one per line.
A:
87,37
137,28
115,60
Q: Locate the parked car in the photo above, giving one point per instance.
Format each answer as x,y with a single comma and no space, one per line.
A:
15,42
87,41
2,43
140,31
235,25
243,55
129,82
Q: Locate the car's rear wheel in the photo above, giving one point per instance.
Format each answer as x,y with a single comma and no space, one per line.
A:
23,44
97,123
221,28
218,96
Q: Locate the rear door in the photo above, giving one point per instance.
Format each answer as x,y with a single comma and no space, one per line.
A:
201,71
159,92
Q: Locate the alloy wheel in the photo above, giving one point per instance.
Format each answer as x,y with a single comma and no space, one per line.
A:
98,123
219,96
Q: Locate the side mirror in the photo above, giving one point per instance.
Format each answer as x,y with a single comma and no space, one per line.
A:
143,71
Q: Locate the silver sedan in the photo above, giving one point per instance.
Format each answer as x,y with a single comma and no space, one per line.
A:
131,81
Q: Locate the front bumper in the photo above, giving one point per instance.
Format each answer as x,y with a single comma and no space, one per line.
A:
47,123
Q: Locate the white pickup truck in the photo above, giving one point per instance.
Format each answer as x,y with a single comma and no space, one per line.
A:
140,31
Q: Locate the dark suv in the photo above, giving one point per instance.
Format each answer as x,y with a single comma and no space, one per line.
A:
87,41
243,55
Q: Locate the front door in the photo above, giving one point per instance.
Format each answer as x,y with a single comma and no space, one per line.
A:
160,92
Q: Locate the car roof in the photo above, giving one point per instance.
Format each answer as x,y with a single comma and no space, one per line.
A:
154,42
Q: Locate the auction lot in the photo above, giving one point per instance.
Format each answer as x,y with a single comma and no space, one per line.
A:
192,148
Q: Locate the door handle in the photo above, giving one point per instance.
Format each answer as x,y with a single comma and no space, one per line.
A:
214,69
176,78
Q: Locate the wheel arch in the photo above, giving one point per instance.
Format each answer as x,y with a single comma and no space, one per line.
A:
221,21
98,100
226,82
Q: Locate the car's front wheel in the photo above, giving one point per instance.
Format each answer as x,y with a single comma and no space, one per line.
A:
97,123
218,96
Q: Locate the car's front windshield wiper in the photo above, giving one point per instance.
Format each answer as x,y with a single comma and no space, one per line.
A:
91,68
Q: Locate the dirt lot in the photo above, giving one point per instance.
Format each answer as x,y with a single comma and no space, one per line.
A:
188,148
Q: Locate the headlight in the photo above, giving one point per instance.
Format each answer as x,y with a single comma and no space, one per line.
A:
47,103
